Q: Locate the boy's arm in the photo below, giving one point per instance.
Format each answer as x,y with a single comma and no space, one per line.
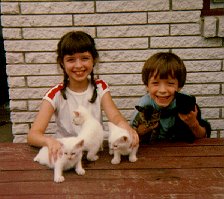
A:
200,129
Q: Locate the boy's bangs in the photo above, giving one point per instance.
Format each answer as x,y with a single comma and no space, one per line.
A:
164,70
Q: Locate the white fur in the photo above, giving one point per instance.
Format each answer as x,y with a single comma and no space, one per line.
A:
71,157
91,132
120,144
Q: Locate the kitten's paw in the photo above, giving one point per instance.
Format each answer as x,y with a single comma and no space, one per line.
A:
59,179
93,158
111,151
80,171
115,161
133,158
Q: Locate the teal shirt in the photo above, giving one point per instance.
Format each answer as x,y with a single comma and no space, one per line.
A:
167,119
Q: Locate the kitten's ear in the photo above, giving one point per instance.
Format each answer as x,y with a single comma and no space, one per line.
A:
76,113
111,125
80,144
139,108
125,138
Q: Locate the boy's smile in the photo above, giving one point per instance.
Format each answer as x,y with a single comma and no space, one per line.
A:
162,91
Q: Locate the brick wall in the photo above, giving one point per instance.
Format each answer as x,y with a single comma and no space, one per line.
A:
126,34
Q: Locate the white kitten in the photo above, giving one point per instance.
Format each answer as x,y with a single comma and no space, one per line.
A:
71,157
120,144
91,132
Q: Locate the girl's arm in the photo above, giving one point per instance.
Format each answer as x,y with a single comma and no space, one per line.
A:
191,120
114,115
36,135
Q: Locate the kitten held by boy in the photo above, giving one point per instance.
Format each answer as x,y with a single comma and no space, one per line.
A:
164,75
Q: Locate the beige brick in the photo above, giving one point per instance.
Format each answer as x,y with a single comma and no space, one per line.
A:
205,77
122,79
38,20
128,91
221,26
126,55
184,41
14,58
211,101
122,43
12,33
9,8
33,69
187,5
31,45
212,113
185,29
22,117
45,58
209,26
173,17
54,32
57,7
208,65
110,19
14,82
27,93
202,89
133,31
41,81
119,67
18,105
34,105
20,129
127,6
203,53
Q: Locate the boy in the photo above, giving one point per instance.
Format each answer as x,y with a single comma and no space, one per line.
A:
164,74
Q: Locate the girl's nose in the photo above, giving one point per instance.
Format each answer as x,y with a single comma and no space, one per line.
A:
78,63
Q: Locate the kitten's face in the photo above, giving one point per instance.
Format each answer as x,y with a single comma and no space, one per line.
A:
120,143
78,118
70,153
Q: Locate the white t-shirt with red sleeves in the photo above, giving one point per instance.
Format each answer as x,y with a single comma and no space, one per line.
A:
64,108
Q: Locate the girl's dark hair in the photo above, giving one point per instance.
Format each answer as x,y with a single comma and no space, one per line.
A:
164,65
76,42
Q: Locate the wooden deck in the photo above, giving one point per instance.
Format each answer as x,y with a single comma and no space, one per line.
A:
163,170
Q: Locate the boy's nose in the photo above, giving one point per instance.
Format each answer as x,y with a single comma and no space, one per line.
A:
162,88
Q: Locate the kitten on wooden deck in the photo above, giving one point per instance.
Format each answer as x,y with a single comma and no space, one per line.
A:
71,157
120,144
91,132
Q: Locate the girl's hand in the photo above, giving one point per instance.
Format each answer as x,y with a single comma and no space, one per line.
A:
132,132
191,118
54,148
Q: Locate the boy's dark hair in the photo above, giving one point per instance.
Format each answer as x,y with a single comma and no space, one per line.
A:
165,65
76,42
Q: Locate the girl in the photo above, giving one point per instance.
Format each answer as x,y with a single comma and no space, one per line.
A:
76,55
164,74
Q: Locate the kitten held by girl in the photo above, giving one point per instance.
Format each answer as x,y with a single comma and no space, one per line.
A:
164,75
77,56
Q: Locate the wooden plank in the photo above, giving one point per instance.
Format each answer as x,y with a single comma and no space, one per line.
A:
142,163
116,186
143,174
120,196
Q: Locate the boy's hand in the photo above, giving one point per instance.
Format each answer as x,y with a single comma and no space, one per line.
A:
191,118
143,129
